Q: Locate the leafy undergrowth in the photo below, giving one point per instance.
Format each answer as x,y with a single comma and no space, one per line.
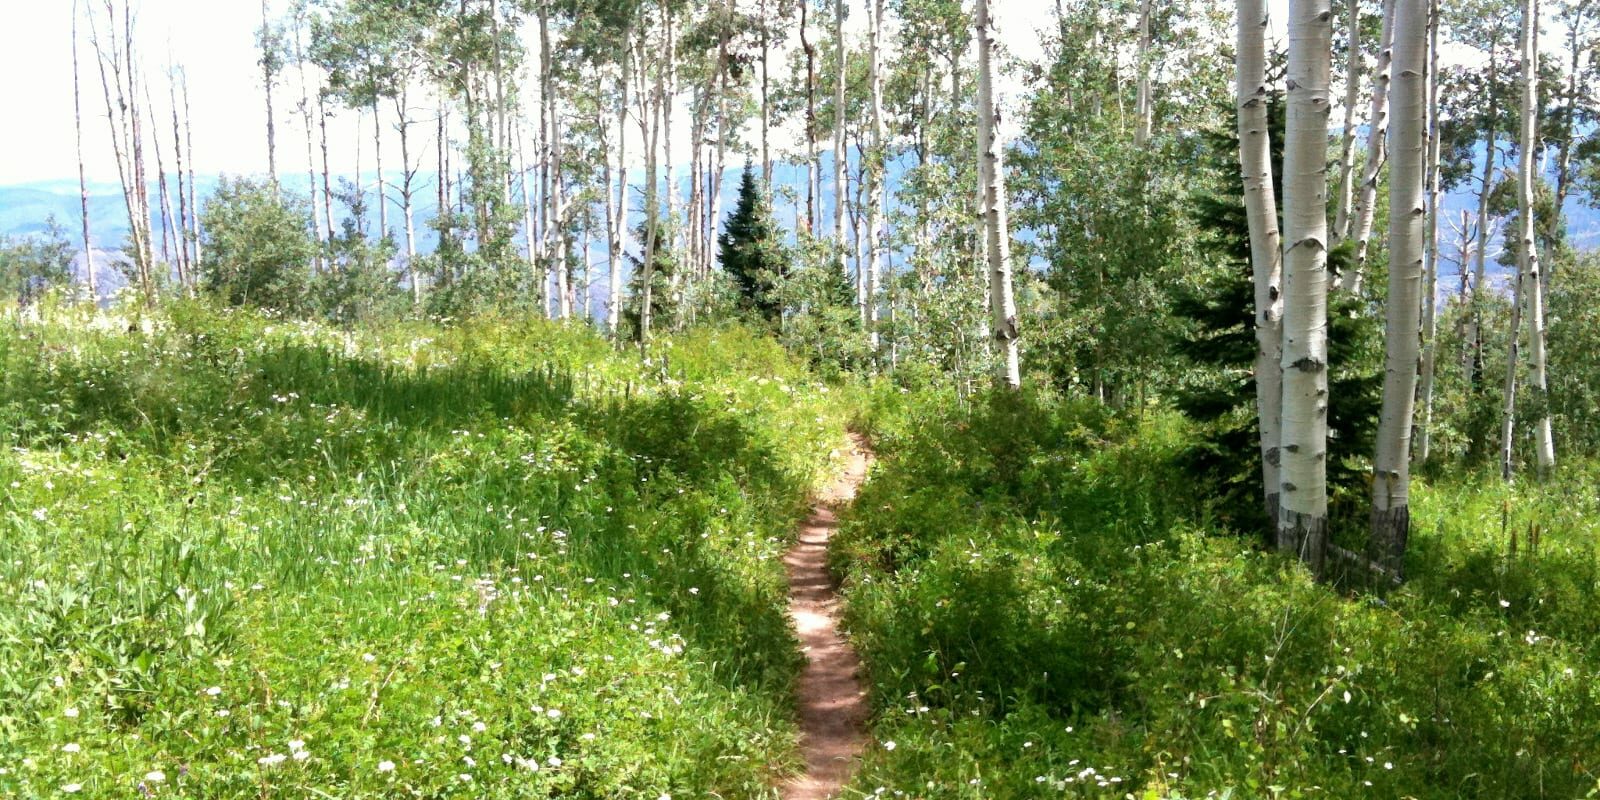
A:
1043,614
247,558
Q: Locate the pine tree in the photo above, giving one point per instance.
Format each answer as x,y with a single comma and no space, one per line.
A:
751,250
662,298
1221,344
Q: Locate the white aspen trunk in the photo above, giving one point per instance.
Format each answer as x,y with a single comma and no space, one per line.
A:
442,184
305,120
267,75
407,201
1266,242
1430,289
766,110
619,222
669,95
377,157
327,177
528,201
652,195
813,158
163,202
1391,465
877,194
1143,109
1508,409
141,184
83,180
544,253
1377,152
1347,142
1002,304
1531,266
1303,524
1474,355
841,192
194,207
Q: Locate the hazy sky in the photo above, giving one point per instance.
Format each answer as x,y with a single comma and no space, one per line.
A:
214,41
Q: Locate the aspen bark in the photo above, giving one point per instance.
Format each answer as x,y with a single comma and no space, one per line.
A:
1473,358
1266,242
377,157
83,180
841,192
652,195
408,176
766,110
194,207
1377,152
1303,524
1002,305
305,119
1347,142
877,194
268,74
619,221
1143,105
1391,465
1430,289
813,158
1531,266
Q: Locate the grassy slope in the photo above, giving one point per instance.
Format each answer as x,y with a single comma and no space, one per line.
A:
1043,615
246,558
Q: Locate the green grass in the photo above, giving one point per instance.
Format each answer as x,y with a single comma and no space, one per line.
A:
252,558
1046,610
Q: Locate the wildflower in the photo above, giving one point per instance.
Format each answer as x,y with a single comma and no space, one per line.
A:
155,776
386,766
214,691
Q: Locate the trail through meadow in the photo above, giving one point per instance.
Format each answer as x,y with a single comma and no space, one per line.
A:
832,702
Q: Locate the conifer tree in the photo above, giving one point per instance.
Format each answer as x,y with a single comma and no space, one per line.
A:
751,249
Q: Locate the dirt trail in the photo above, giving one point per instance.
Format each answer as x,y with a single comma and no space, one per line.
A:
833,705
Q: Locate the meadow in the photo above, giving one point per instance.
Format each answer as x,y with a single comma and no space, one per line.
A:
248,557
252,557
1047,609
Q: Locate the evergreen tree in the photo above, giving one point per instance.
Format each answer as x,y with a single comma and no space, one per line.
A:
663,295
751,250
1220,343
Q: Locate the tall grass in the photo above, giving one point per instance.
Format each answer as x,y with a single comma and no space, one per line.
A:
246,557
1046,610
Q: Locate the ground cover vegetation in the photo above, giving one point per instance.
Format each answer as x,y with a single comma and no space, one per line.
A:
1217,455
250,556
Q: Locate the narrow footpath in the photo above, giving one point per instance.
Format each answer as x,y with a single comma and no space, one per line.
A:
833,704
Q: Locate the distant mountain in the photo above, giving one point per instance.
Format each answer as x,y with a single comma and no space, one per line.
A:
24,209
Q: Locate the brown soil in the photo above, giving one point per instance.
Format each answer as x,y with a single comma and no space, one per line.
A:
833,705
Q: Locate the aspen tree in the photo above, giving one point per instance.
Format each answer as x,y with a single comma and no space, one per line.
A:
269,76
1391,465
83,181
1430,289
1377,152
841,191
1347,142
1528,296
1303,522
1143,104
1002,305
1266,243
877,194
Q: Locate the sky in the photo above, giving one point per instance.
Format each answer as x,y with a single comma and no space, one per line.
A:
214,41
